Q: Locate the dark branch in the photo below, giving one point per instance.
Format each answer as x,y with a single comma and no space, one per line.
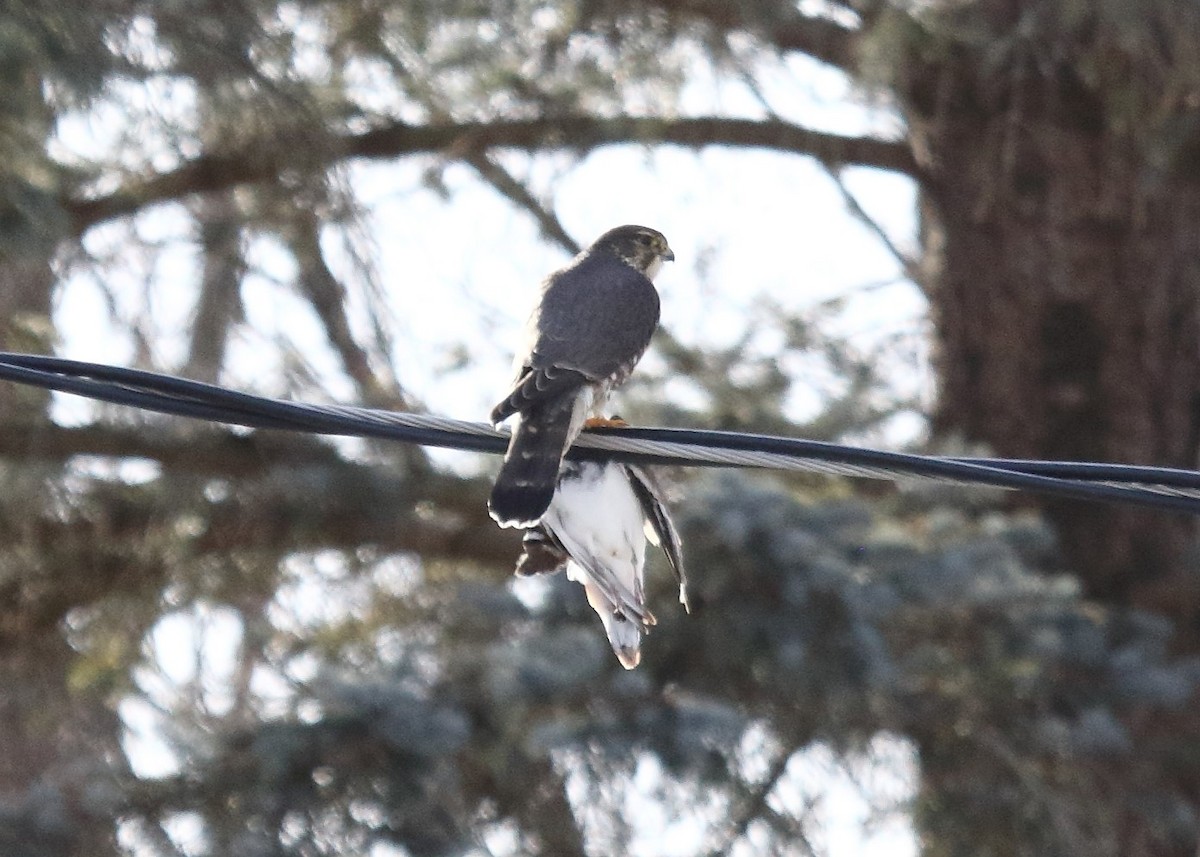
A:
206,452
820,38
504,182
266,159
358,503
906,263
754,804
327,296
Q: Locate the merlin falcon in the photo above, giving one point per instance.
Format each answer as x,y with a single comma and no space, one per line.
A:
597,526
591,326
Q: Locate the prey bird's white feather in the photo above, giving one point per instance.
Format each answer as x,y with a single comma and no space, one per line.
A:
599,521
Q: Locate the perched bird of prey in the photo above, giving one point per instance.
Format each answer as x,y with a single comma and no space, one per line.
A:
597,526
591,326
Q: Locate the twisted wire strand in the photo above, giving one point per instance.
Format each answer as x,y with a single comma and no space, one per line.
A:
1162,488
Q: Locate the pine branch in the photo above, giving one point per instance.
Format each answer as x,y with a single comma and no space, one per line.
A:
507,184
753,805
208,452
819,38
907,264
327,296
267,158
276,506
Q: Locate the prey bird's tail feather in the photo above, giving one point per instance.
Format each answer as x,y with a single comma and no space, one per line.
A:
529,475
540,553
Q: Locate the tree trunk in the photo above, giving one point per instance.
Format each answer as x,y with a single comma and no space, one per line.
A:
25,325
58,746
1065,287
1064,281
58,742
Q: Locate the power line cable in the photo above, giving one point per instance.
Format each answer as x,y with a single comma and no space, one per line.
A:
1163,488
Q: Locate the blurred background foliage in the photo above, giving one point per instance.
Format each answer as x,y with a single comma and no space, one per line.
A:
214,642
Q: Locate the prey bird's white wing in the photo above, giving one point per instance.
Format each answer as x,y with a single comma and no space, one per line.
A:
660,528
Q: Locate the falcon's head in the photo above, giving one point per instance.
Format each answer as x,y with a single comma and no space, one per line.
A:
638,246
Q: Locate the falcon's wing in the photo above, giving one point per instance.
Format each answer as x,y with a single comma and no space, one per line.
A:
535,386
658,520
594,321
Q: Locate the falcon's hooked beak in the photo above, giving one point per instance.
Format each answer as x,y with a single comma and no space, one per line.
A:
662,253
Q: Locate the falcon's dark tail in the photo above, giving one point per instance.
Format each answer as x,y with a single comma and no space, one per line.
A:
529,475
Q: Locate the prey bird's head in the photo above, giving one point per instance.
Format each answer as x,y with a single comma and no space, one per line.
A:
639,247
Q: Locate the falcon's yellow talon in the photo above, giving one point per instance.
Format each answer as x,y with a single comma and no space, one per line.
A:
605,422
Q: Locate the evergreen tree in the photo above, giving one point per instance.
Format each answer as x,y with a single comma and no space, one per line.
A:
383,683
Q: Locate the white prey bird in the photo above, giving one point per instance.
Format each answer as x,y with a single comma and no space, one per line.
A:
597,525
